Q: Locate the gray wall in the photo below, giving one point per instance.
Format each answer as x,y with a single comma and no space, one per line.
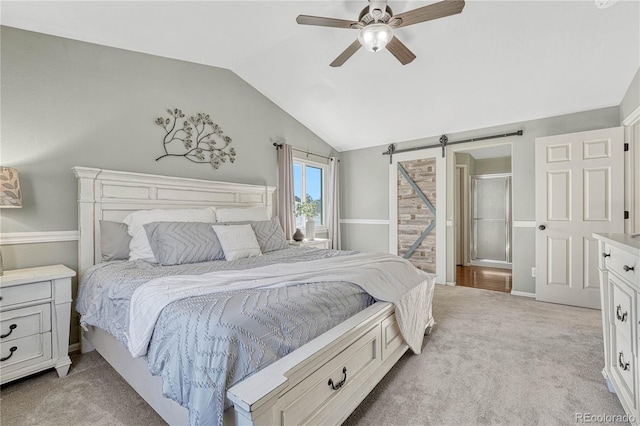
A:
631,100
488,166
68,103
365,187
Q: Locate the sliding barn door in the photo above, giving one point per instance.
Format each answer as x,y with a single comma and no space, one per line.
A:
416,208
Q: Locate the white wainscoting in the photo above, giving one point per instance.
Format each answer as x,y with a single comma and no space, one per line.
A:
365,221
36,237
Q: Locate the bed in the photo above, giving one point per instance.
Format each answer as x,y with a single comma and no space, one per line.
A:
321,381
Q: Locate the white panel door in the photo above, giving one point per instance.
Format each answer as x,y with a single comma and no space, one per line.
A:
579,191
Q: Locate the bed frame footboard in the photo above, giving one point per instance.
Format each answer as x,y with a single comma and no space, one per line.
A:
325,380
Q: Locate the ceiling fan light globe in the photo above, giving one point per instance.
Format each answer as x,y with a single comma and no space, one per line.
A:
374,37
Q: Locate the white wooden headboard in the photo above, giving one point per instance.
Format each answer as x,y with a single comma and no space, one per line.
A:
112,195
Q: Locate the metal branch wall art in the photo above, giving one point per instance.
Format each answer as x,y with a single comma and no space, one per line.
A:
197,136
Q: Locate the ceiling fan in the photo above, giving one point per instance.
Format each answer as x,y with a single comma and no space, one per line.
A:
376,24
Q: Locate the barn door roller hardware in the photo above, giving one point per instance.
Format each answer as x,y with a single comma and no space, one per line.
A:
444,142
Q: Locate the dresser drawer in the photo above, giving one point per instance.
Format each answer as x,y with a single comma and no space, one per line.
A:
24,293
623,366
621,311
18,323
28,350
621,263
314,398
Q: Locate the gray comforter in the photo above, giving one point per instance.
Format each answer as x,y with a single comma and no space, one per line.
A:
203,345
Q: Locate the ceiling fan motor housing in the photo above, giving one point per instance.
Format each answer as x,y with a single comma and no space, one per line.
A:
367,15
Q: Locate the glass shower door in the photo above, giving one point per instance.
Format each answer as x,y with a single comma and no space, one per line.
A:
491,222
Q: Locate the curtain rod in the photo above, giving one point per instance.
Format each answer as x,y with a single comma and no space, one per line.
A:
279,145
444,141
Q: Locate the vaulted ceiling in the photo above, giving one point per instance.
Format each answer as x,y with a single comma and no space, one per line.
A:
495,63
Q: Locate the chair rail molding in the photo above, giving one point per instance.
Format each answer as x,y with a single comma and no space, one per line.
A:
36,237
365,221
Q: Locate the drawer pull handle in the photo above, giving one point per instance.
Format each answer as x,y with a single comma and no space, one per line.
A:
606,254
623,365
628,268
341,382
12,349
622,317
11,328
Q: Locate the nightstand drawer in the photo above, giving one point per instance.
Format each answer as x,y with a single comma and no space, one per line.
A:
321,243
19,323
24,293
28,350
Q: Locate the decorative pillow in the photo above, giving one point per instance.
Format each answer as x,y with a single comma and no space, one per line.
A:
139,247
238,241
244,214
176,243
114,241
269,234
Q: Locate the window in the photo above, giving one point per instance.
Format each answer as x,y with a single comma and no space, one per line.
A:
308,186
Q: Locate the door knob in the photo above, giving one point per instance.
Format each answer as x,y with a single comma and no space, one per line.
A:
542,227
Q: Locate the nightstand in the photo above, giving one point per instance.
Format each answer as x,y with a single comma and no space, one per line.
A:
35,314
321,243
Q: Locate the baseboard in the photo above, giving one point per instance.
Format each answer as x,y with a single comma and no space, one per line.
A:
523,294
450,284
74,347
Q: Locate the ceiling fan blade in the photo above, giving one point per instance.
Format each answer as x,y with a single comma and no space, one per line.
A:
427,13
325,22
400,51
349,51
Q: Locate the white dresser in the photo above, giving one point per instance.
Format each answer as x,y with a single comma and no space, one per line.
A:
35,312
619,267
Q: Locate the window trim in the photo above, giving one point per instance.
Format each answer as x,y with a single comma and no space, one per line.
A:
325,169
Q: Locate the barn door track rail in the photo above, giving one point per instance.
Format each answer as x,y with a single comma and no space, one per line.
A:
427,203
444,142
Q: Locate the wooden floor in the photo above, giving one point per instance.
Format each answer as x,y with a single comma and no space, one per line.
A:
486,278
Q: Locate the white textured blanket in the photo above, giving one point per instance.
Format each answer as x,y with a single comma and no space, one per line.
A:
385,277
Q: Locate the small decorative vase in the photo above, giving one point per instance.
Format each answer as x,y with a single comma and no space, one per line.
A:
298,235
311,230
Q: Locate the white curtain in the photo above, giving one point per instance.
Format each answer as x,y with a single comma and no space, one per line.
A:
286,201
334,203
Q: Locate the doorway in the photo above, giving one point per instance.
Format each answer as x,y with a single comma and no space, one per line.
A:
482,219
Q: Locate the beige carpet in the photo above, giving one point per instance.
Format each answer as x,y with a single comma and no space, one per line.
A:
493,358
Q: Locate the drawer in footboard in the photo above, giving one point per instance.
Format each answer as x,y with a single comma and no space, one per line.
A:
296,389
316,396
391,337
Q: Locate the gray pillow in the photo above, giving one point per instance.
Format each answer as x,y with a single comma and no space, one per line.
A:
176,243
269,234
114,241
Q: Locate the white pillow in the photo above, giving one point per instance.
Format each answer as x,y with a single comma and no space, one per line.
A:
244,214
139,247
237,241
